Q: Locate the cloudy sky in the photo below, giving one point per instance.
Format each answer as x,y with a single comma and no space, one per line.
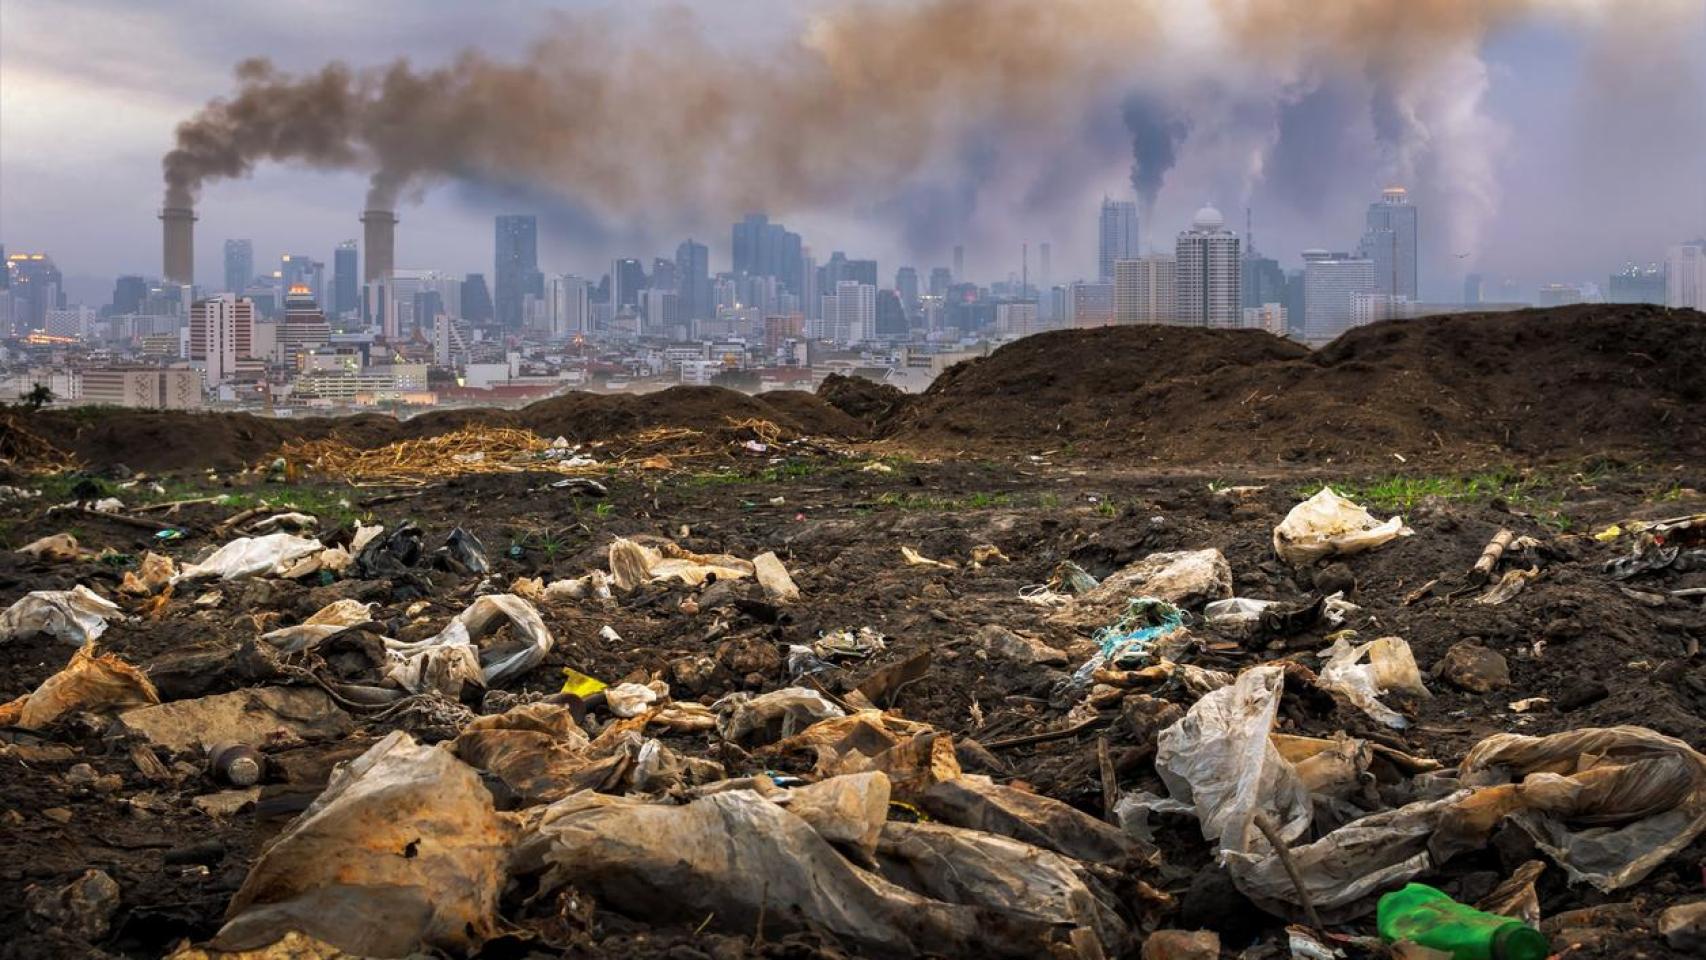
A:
1550,143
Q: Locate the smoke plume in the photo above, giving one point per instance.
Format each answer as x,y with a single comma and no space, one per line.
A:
872,103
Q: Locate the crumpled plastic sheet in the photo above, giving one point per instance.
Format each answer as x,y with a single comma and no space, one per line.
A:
1390,668
75,616
91,683
270,555
789,710
446,661
633,564
1329,525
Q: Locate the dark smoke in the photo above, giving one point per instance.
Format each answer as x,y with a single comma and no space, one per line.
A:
1156,135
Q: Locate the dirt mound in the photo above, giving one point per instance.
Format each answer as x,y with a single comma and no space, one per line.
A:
594,416
156,441
816,417
864,400
1622,380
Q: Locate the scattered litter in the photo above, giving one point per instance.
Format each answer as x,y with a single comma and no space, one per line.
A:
58,548
99,684
269,555
915,559
1328,525
1390,668
75,616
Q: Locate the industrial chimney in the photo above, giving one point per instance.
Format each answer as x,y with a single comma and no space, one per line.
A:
379,236
178,227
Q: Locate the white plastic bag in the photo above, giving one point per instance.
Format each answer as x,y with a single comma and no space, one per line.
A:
1328,525
1391,668
76,616
451,658
270,555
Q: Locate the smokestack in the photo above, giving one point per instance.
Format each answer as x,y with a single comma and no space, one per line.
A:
379,236
178,247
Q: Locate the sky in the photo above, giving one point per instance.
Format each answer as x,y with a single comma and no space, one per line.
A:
1552,142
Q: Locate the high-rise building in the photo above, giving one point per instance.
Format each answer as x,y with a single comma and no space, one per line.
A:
239,265
1045,266
1330,280
1017,318
570,308
1474,289
764,249
346,280
693,280
1208,274
1390,241
1116,236
1637,284
1089,304
128,294
940,280
304,327
1685,275
1269,317
301,270
959,263
906,284
476,299
1143,290
221,332
35,287
663,275
627,279
516,267
890,321
850,315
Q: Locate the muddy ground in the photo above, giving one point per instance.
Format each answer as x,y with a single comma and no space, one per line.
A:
1602,652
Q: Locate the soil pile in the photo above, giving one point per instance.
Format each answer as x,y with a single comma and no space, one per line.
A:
593,416
864,400
156,441
1536,384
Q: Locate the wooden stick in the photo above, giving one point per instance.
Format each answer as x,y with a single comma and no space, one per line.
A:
129,521
1265,824
173,504
231,523
1048,735
1110,780
1483,569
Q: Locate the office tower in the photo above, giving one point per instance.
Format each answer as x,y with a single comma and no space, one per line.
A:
940,280
959,263
890,322
1329,282
1637,284
239,265
296,269
346,280
1390,241
1045,266
1116,236
660,311
693,280
570,307
906,284
850,314
1685,275
663,275
810,301
35,287
1293,301
1143,290
1089,304
627,279
1208,274
1474,289
303,329
222,331
515,267
1263,281
1269,317
476,299
128,294
764,249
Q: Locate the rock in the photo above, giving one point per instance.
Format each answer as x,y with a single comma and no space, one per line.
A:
692,675
998,641
1472,667
1684,926
227,803
82,909
747,655
1582,694
269,715
109,784
1335,578
1182,945
81,775
57,814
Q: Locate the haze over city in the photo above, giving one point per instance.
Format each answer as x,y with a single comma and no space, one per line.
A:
1545,141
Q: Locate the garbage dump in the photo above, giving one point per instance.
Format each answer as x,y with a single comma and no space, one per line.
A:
719,689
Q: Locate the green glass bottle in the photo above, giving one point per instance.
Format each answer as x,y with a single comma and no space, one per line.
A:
1421,914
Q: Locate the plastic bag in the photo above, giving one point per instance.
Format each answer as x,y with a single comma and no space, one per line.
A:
633,564
75,616
1328,525
59,548
96,684
1391,667
444,662
1186,578
153,574
402,850
333,618
270,555
774,578
1608,804
771,716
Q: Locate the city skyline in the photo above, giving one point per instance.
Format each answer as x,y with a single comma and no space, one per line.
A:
1543,93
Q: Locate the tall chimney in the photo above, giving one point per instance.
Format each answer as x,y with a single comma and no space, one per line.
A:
379,236
178,249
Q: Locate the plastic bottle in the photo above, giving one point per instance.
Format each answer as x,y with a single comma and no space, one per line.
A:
1426,916
236,763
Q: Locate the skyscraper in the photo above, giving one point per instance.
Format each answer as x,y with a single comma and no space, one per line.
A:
1390,241
764,249
476,299
35,286
1116,236
906,284
959,264
128,294
693,280
1474,289
239,265
1208,274
1330,280
1685,275
346,279
850,315
1143,290
890,322
940,280
297,269
569,307
627,279
516,267
222,331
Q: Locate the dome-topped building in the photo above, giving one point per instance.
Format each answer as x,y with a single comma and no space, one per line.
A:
1208,220
1207,273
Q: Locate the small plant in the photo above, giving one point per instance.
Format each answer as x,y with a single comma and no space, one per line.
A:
1049,501
1107,508
604,510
